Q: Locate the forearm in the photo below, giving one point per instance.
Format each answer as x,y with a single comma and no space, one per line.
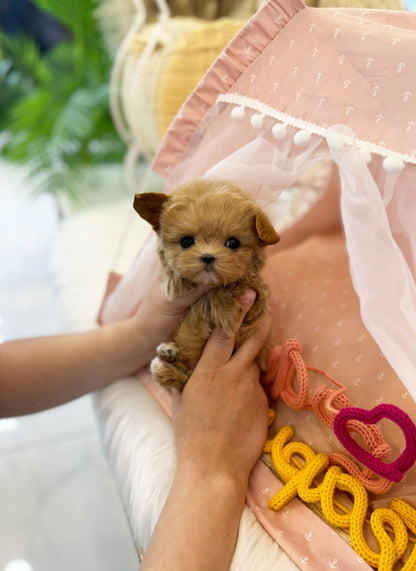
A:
44,372
198,527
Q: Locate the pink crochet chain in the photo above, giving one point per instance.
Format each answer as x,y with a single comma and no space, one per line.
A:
396,469
335,410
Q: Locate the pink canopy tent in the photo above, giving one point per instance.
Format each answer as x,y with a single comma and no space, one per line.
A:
297,85
302,83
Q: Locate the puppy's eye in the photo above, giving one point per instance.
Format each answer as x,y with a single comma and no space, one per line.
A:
187,242
233,243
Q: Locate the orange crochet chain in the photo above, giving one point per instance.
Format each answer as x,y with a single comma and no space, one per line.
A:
284,362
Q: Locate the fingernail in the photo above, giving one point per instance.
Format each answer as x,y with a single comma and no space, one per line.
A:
248,297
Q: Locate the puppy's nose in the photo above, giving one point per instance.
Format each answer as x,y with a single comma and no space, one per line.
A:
207,258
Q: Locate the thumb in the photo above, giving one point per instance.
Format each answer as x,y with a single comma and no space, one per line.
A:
183,302
176,401
220,346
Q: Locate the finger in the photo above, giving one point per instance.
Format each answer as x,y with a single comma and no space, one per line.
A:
249,350
184,301
246,301
176,401
220,345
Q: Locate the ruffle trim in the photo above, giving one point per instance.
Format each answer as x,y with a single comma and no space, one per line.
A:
240,53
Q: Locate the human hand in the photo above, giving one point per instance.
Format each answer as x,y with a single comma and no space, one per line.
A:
220,420
157,317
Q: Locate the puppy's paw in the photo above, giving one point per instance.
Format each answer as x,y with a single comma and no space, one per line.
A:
168,352
167,374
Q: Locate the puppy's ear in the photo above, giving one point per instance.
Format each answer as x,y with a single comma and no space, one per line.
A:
149,206
265,231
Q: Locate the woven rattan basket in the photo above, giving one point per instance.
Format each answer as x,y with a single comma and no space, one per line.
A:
155,82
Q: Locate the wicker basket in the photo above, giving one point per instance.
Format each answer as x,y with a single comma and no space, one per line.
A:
157,80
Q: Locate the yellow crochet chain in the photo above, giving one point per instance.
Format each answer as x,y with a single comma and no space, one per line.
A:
399,518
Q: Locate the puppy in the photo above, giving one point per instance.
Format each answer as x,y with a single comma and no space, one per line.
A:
209,232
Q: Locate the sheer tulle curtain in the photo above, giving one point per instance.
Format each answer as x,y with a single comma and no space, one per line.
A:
253,156
379,221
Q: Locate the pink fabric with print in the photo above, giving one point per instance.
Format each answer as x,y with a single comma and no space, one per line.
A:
295,85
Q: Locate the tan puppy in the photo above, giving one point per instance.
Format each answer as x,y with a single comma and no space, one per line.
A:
209,232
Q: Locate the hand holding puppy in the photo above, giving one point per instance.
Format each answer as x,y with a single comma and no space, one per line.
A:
163,314
212,233
221,418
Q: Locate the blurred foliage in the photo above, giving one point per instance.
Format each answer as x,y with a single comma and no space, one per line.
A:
55,105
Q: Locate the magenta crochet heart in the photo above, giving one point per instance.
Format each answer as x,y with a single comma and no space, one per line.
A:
395,470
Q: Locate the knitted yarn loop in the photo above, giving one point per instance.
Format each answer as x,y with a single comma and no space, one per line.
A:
286,362
391,526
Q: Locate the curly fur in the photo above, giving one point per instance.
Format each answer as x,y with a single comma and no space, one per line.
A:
225,236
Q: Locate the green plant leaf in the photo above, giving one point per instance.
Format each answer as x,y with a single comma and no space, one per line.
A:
56,107
77,117
75,15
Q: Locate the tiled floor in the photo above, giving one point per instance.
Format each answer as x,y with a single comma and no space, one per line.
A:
59,505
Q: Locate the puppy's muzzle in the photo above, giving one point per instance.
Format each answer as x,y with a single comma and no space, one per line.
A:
208,259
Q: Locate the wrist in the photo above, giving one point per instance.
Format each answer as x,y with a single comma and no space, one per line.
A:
224,484
145,337
124,348
139,342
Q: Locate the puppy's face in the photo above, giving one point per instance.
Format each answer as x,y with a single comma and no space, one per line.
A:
202,243
209,232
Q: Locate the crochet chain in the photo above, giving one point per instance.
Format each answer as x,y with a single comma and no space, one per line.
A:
334,409
399,518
